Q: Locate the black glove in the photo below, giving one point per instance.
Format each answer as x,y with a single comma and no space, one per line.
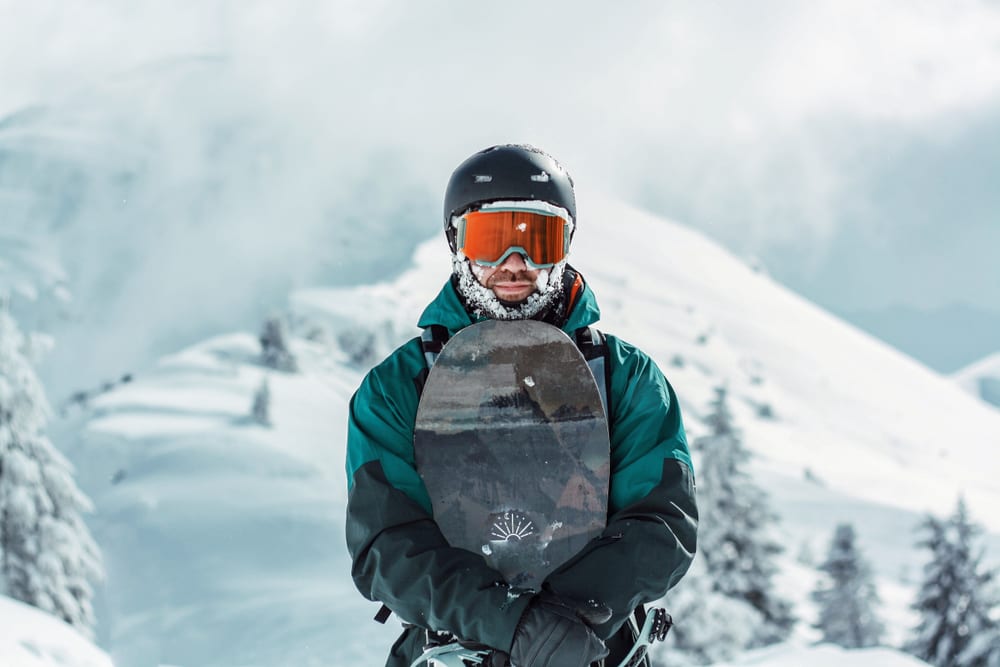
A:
555,632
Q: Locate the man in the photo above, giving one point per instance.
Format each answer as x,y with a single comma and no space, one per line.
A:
400,556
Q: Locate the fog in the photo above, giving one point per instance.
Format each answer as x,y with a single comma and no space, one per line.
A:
187,164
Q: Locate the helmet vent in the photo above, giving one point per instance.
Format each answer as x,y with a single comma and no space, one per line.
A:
543,177
486,178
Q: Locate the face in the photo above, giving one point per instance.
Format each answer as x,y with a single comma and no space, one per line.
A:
512,281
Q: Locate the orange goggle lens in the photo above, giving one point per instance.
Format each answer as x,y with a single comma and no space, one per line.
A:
489,237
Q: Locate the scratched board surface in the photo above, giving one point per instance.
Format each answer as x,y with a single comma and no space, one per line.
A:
511,441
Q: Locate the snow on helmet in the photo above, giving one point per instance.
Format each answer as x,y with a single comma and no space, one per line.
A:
509,172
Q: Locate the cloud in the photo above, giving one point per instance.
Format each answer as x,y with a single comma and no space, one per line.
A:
899,62
760,122
202,157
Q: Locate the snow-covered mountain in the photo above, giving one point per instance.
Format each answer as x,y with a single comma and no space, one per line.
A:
223,538
982,379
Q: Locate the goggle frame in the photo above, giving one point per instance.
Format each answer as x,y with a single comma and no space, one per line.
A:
461,225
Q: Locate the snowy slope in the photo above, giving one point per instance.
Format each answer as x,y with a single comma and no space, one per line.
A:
32,638
982,379
823,656
224,539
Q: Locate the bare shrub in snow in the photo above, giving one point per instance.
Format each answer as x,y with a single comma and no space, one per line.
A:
48,558
82,398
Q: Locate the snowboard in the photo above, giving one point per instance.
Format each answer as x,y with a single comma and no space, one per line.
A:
511,441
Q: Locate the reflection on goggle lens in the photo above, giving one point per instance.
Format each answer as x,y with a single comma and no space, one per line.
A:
489,237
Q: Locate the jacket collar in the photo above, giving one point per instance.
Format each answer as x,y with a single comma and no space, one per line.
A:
447,310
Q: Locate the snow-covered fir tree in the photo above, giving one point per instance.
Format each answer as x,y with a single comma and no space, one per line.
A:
957,598
274,349
260,410
709,627
734,528
48,558
847,598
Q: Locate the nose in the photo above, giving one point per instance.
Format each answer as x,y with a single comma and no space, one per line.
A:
514,263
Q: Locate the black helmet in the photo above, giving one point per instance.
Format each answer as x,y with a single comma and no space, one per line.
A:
511,172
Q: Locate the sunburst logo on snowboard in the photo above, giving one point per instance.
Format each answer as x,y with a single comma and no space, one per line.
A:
512,525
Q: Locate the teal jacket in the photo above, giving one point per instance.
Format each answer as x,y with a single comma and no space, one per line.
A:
400,557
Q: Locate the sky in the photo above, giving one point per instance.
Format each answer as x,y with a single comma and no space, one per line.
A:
189,163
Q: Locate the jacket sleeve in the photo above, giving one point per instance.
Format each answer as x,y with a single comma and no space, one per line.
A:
399,555
650,539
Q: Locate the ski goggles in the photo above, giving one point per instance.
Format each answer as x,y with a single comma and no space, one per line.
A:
489,237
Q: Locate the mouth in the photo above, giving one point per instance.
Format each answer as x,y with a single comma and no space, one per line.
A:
514,286
513,291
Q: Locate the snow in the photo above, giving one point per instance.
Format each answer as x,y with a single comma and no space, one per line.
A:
982,379
484,302
25,264
536,205
824,655
224,540
220,532
32,638
874,423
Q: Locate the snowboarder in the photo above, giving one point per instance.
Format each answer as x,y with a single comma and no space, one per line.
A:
509,218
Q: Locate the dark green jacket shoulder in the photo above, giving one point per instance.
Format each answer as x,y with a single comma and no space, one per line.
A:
401,558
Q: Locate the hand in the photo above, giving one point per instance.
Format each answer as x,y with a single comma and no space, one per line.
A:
555,632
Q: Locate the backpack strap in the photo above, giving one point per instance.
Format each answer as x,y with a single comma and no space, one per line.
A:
383,614
432,341
594,347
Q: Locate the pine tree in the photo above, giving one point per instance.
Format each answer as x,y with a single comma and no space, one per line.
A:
274,349
983,649
734,525
956,600
847,599
47,556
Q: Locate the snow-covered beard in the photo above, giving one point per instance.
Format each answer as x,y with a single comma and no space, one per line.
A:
484,302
